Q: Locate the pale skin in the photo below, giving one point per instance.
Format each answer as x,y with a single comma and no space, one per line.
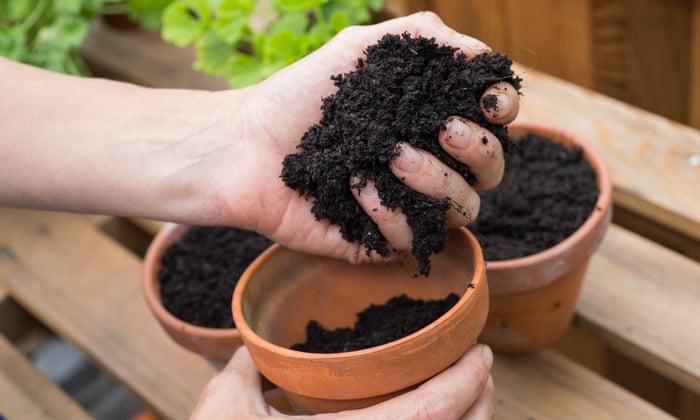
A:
214,158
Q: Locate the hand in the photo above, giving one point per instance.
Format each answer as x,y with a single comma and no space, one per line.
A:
462,391
277,112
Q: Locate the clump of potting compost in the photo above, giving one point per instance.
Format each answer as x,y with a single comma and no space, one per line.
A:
547,192
378,324
403,90
200,271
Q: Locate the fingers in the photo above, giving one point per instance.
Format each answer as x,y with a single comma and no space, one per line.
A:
477,148
500,103
424,173
483,407
391,223
460,390
426,24
239,381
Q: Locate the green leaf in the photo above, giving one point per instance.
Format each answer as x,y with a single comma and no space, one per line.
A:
67,6
66,33
245,70
338,20
297,22
298,5
18,10
147,12
375,4
184,21
232,19
12,43
284,47
213,54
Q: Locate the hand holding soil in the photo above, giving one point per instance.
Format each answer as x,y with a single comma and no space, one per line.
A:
379,131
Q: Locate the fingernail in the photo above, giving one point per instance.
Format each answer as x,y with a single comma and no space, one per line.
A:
495,103
487,355
409,159
472,45
368,188
458,134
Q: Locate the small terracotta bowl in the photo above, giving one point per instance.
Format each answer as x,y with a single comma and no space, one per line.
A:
533,298
282,290
215,344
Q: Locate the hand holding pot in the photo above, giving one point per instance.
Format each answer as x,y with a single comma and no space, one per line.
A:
463,391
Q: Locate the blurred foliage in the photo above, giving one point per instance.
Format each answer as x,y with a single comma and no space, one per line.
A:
48,33
248,41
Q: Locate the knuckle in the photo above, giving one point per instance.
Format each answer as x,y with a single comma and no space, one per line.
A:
435,407
430,16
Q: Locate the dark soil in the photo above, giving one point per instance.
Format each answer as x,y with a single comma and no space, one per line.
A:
547,192
199,272
403,90
376,325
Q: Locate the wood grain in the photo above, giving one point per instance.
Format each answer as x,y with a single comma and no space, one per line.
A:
546,385
643,300
632,55
694,110
27,394
86,288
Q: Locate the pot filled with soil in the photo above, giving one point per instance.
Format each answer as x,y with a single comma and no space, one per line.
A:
336,336
188,278
538,229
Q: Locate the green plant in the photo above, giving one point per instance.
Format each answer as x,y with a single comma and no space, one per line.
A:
147,12
47,33
248,40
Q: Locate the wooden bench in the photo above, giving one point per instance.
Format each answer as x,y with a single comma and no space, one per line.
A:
639,298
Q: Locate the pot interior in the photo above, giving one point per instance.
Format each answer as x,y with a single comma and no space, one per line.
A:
287,289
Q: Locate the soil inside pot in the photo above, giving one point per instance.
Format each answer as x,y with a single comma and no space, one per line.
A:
376,325
199,272
547,192
403,90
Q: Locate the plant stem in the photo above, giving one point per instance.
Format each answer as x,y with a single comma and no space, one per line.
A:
36,14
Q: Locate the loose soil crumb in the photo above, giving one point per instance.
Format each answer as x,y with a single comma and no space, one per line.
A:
199,272
376,325
403,90
547,193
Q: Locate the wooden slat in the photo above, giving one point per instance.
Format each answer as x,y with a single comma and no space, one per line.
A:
27,394
95,302
649,156
148,226
694,109
643,299
144,58
546,385
86,288
514,28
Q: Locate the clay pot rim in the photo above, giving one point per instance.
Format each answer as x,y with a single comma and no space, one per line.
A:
151,287
604,202
478,278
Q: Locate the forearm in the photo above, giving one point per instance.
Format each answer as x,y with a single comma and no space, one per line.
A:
99,146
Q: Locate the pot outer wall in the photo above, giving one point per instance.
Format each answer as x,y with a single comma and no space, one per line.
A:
217,345
533,299
284,289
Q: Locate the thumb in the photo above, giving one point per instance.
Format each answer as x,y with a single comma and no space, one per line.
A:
235,392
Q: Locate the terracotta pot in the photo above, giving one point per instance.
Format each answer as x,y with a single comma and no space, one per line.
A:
282,290
533,298
215,344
